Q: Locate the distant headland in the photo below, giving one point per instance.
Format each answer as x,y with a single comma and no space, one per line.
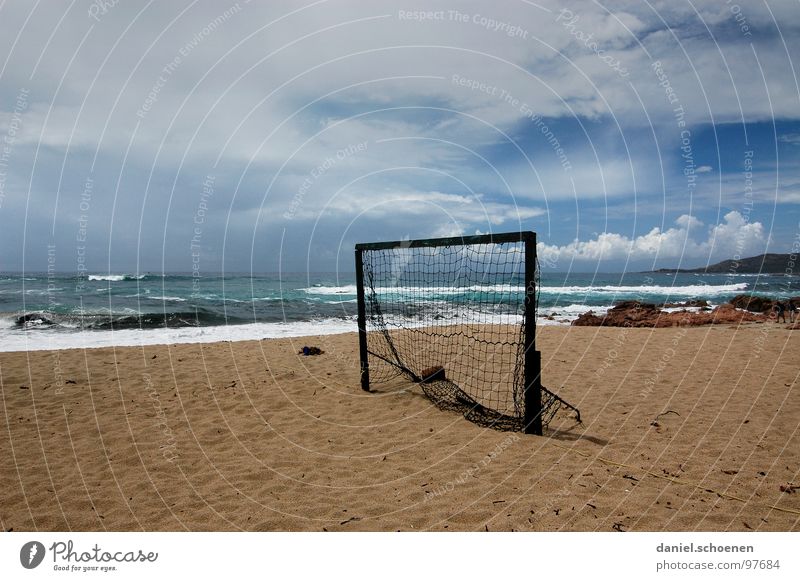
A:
762,264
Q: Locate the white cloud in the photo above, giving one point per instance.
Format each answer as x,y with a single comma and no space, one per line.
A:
687,222
793,138
428,207
735,236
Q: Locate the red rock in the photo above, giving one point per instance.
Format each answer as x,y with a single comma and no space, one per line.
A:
636,314
588,319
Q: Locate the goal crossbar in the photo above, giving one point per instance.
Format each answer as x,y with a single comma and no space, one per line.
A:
453,241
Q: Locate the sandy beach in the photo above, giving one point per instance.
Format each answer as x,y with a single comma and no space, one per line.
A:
683,429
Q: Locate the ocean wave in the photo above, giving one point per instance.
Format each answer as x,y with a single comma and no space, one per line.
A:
35,340
573,310
100,320
416,290
686,290
41,292
34,320
43,340
116,277
166,298
349,289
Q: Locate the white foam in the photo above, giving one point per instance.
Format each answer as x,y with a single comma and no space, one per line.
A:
165,298
35,340
44,339
331,290
38,340
116,277
41,292
689,290
415,290
686,290
572,310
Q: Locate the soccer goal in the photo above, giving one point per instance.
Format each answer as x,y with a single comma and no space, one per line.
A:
458,316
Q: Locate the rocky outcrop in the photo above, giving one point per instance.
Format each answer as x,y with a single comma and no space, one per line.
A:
751,303
33,320
760,304
637,314
625,314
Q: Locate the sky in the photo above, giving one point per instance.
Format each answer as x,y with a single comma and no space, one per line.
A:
262,136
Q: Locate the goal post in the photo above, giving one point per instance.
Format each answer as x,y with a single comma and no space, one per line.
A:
533,358
458,316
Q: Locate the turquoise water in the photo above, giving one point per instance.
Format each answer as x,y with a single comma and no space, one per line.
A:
80,311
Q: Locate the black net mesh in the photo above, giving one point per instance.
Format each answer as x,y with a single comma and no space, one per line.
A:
452,318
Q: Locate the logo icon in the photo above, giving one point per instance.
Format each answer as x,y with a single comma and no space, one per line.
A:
31,554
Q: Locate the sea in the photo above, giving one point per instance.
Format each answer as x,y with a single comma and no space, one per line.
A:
59,311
